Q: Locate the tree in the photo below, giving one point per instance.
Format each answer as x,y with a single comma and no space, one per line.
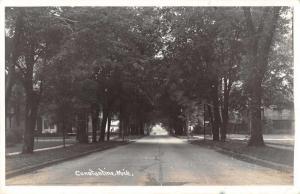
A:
260,39
229,51
145,64
36,31
59,92
12,40
195,61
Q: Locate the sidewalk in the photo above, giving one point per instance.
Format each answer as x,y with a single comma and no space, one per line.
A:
41,143
282,141
23,163
45,143
279,157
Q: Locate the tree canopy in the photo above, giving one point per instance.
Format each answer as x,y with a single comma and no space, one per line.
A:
149,64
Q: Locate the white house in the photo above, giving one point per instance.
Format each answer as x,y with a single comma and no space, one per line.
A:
45,125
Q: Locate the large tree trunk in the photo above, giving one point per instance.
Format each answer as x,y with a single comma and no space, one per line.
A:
141,127
216,112
179,127
9,82
95,121
32,102
124,123
30,120
121,123
186,124
126,126
13,55
121,128
135,126
256,135
212,123
260,41
108,126
103,123
64,131
227,87
131,129
62,123
82,127
224,124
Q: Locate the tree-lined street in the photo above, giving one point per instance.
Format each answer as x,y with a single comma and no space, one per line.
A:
105,76
157,160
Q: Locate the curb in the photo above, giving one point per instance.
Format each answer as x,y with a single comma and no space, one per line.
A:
283,145
261,162
27,169
258,161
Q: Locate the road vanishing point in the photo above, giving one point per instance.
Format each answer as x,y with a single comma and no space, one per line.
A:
155,160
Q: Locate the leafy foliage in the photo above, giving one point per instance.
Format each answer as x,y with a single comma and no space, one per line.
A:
147,64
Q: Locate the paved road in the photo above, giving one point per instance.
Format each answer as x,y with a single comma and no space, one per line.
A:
155,160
